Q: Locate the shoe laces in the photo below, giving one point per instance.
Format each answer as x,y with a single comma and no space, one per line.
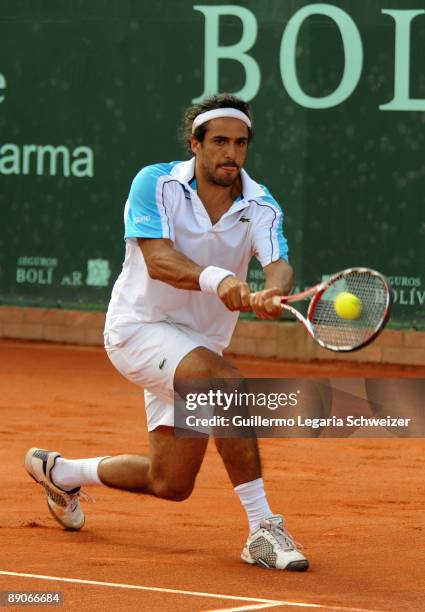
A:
282,536
75,498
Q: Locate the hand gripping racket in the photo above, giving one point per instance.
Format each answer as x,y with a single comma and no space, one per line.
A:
332,331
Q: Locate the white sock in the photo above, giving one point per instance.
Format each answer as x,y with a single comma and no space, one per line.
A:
71,473
253,499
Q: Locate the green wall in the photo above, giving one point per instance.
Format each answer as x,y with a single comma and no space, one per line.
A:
92,91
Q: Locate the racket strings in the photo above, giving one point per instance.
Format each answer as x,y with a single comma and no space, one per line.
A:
333,330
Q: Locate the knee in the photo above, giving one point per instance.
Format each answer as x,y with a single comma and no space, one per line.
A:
229,371
173,491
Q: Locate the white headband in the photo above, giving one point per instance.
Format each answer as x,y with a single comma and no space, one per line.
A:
220,112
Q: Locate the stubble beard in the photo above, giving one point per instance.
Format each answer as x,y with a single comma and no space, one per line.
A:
224,182
221,182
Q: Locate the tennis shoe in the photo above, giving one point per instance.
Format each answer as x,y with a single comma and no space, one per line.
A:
272,547
64,506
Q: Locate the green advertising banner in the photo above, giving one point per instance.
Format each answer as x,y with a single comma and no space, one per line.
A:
90,92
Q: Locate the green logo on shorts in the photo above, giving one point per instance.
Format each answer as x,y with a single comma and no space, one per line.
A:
162,363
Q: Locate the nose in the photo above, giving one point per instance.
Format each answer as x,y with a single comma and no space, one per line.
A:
230,152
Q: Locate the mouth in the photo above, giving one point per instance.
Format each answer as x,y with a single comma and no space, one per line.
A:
229,167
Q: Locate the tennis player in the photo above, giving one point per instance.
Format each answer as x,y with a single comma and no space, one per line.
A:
191,229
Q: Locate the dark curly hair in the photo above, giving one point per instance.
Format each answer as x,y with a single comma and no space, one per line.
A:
223,100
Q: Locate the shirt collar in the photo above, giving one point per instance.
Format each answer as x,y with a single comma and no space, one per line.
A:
185,171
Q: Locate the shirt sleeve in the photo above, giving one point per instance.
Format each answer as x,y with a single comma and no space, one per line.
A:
147,213
269,242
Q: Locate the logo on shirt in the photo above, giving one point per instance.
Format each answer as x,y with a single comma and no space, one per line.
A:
162,363
244,219
142,219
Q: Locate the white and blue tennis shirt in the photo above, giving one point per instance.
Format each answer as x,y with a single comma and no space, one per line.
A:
163,203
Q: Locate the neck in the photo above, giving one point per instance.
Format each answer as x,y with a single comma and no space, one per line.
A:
217,199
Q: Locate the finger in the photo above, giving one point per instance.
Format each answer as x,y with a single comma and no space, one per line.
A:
272,291
262,314
240,297
256,303
266,294
262,305
273,306
235,298
230,299
273,311
255,297
245,296
268,309
260,311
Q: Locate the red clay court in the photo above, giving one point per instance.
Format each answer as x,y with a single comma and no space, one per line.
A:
356,504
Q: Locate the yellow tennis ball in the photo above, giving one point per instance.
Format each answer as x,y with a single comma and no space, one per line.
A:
347,306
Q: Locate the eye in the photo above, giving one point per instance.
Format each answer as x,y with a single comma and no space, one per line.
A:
220,141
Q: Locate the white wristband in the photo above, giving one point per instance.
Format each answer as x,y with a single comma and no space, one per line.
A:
211,277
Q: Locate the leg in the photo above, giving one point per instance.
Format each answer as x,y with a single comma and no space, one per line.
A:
268,545
170,469
173,463
241,458
240,455
169,472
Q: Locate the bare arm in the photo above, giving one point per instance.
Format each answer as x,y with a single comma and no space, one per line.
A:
279,278
279,275
167,264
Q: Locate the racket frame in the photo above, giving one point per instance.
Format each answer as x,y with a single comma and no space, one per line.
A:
317,291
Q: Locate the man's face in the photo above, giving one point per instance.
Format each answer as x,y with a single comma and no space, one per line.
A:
222,153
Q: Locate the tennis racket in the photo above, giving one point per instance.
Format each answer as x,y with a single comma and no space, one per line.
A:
329,329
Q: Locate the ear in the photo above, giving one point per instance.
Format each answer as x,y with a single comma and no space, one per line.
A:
194,145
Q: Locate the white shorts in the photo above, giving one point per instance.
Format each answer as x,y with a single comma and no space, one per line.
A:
148,354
